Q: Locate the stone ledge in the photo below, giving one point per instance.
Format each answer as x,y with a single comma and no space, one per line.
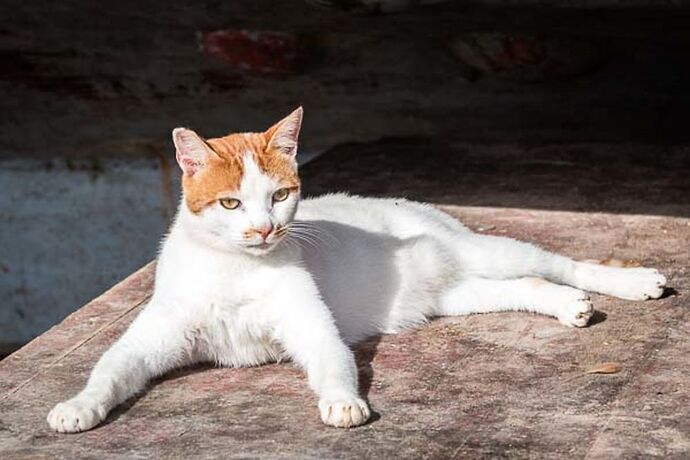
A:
501,384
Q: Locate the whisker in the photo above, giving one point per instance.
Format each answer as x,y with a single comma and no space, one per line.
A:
299,238
308,233
314,230
305,237
317,232
308,236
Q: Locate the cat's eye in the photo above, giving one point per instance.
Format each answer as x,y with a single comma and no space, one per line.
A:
229,203
281,194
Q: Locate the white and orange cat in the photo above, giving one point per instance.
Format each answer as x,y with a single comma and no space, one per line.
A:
246,277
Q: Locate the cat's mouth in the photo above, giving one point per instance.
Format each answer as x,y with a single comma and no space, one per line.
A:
263,245
260,249
271,242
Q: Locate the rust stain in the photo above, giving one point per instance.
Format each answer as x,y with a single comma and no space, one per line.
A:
136,146
166,181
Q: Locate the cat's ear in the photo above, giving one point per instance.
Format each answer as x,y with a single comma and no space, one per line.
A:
192,152
283,135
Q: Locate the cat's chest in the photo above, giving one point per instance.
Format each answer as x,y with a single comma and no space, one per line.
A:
208,283
229,300
239,334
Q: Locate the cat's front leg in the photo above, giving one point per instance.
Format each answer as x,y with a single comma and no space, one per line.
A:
305,327
155,342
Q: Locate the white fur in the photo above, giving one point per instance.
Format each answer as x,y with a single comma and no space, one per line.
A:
350,268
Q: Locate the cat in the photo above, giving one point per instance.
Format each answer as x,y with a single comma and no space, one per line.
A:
247,277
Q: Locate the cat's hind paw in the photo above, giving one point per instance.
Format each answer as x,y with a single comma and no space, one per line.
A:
344,412
637,284
75,415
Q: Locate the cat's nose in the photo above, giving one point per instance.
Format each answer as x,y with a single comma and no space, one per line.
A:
265,231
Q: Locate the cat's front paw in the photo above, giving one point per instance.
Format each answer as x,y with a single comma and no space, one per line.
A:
344,412
75,415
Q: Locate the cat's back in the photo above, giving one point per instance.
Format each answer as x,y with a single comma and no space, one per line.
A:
342,208
398,217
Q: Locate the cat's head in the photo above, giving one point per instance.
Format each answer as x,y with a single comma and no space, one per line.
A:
241,191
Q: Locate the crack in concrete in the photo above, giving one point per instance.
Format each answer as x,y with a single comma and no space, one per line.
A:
74,348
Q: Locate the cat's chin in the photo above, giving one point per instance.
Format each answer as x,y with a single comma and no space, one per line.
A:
260,249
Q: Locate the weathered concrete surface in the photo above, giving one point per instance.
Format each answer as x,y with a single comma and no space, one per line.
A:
69,231
498,385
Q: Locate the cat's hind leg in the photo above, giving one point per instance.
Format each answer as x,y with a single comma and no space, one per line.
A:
480,295
504,258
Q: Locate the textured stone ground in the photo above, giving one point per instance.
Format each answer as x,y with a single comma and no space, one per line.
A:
498,385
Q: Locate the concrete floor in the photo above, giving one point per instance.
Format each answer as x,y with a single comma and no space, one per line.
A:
499,385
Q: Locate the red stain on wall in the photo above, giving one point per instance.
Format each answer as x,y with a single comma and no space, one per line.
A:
256,52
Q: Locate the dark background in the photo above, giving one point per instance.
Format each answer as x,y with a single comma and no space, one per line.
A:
80,74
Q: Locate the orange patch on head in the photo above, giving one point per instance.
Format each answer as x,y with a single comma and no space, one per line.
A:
225,169
214,168
280,167
220,175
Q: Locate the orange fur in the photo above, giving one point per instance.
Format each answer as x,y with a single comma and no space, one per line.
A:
224,170
538,282
611,262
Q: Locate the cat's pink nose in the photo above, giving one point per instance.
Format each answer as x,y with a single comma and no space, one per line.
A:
265,231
